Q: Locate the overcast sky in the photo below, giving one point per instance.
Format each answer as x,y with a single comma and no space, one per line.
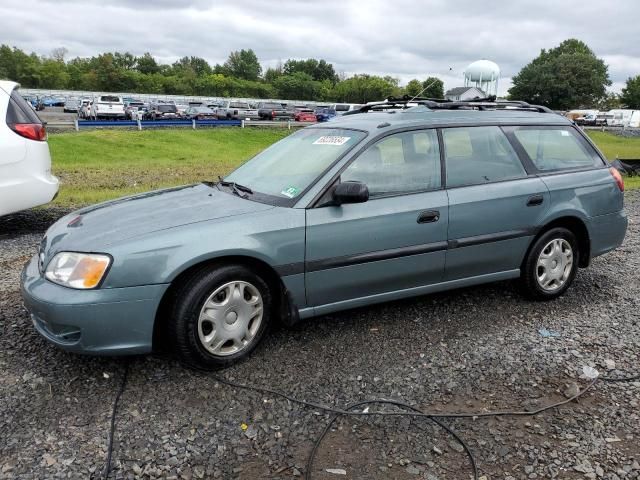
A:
403,38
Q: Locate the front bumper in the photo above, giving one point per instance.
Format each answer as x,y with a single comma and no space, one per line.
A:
114,321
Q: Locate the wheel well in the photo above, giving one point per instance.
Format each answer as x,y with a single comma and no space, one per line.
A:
578,228
160,335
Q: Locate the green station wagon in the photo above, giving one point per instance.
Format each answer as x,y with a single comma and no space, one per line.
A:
367,208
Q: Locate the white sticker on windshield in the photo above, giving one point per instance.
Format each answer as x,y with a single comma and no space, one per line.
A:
331,140
564,133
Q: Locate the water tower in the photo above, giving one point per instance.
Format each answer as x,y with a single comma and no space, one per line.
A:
483,74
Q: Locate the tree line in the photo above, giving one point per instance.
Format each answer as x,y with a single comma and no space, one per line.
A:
565,77
241,75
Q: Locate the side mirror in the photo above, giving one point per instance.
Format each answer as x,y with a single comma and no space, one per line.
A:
350,192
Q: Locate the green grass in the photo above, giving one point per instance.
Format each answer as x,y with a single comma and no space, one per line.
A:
103,164
621,147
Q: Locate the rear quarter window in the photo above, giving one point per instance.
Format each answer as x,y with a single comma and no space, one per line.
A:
19,111
556,148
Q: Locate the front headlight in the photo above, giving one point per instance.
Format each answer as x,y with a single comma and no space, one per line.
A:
77,270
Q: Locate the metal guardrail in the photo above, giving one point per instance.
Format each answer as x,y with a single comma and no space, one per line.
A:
78,125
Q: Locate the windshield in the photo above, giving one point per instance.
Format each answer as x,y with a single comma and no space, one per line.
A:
289,166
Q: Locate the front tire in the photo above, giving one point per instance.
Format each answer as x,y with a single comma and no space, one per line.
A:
219,316
551,265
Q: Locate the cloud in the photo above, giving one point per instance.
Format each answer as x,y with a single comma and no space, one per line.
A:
405,39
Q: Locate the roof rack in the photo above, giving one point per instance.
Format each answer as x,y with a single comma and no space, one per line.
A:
486,103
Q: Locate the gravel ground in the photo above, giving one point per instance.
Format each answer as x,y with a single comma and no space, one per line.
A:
474,349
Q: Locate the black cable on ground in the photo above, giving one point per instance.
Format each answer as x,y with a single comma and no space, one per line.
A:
349,411
123,384
316,445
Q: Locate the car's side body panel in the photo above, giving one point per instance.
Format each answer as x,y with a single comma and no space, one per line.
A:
374,247
491,225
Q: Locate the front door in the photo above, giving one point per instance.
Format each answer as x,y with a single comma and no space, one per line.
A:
395,241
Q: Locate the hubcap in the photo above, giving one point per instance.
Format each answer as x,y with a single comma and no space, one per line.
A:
555,264
230,318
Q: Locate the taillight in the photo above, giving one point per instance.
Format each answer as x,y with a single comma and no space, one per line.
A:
273,113
617,177
32,131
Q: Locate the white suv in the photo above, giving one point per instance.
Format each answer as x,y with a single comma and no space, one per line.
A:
107,107
25,162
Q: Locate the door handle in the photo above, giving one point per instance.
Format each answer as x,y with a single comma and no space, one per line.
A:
535,200
429,216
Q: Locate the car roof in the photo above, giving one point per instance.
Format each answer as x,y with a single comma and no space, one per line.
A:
8,86
396,119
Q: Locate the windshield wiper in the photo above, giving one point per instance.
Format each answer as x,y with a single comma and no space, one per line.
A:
235,187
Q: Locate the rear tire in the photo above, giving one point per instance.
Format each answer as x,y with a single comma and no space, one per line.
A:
219,316
551,265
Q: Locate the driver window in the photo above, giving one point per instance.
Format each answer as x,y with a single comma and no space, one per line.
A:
402,163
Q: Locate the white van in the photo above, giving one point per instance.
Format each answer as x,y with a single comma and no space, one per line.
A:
621,117
25,163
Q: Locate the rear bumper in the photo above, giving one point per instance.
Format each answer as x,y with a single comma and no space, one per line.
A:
117,321
27,193
607,232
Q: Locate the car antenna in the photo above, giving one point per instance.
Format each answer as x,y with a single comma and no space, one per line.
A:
421,91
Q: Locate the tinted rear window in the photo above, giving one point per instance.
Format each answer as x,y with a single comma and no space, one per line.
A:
19,111
110,99
167,108
271,105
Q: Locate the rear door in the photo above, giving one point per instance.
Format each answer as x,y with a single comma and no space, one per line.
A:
495,205
393,242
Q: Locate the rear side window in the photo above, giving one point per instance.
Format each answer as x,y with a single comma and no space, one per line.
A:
476,155
20,111
556,148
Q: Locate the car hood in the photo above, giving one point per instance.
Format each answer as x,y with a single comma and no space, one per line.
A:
94,228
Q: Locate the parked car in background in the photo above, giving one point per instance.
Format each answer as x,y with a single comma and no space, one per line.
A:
236,110
342,108
132,105
181,107
53,101
329,218
273,111
138,113
84,110
71,105
107,107
325,114
25,163
35,102
162,111
200,113
304,115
